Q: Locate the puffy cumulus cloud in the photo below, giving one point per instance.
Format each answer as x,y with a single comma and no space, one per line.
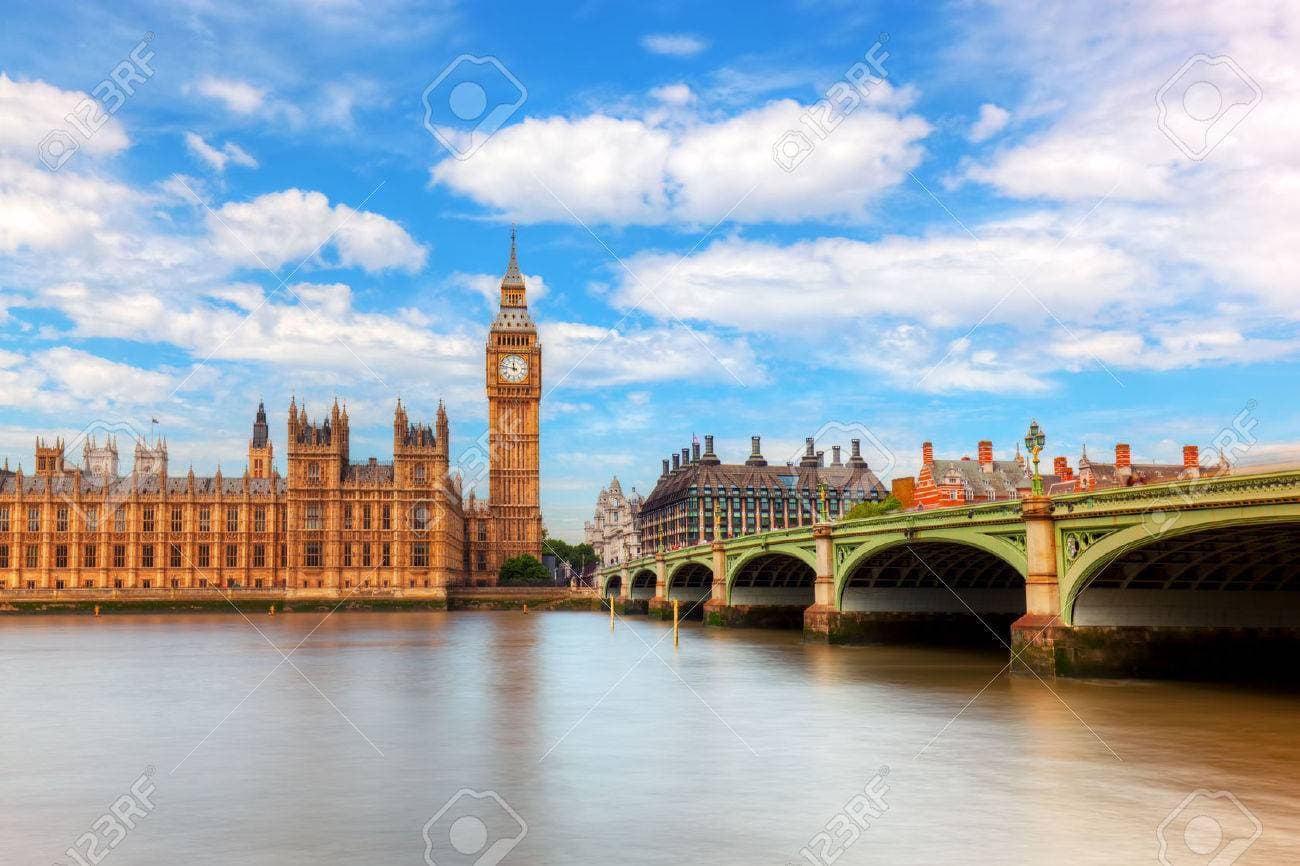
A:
43,210
675,166
286,227
589,356
32,109
991,121
674,44
217,157
301,326
63,379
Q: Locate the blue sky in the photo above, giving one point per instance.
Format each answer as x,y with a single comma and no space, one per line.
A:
1001,224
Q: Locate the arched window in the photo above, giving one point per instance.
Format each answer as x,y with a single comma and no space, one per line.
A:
419,473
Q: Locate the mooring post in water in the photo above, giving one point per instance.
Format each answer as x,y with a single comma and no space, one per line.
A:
525,607
96,610
675,620
611,614
271,612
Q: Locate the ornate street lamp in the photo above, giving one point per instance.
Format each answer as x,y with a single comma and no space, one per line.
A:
1035,439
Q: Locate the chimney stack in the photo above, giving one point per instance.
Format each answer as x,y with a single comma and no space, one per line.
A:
755,454
821,459
695,451
709,457
686,457
1061,468
665,475
809,453
835,456
927,453
855,454
986,455
1191,461
677,462
1123,460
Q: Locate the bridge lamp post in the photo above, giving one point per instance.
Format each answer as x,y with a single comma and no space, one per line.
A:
1035,439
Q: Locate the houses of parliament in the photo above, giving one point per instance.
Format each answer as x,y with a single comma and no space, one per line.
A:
328,526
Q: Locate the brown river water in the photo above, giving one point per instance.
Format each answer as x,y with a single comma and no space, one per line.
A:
503,737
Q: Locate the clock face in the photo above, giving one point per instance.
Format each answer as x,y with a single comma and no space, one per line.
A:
512,368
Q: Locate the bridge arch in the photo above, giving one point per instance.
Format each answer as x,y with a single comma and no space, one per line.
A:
938,588
776,576
1006,549
1216,568
612,586
643,583
689,581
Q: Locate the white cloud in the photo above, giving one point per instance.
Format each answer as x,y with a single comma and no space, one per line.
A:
589,356
64,379
289,226
944,280
661,169
991,121
218,157
673,44
238,96
32,109
673,94
1226,220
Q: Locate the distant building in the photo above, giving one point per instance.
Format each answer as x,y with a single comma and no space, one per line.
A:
946,482
615,529
750,497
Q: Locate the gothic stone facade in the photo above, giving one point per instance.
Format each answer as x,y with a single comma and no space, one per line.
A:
328,524
614,531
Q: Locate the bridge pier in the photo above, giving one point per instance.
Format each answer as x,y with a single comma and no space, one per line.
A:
821,619
660,607
715,609
1034,637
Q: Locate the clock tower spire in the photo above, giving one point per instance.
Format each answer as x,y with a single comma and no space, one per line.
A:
514,392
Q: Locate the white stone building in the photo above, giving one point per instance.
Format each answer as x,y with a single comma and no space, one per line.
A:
615,529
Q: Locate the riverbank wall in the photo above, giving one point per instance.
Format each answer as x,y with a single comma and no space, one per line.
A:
289,601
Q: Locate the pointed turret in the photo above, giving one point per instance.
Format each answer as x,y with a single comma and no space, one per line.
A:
513,291
260,452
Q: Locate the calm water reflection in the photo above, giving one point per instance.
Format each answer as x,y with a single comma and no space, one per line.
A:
736,748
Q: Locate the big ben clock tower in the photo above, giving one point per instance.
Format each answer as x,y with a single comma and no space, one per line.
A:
514,392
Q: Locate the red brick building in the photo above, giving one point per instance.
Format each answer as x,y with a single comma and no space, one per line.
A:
947,482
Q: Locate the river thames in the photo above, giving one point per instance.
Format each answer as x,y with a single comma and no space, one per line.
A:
490,737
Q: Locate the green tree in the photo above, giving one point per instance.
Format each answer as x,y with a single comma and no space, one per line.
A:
576,555
874,509
523,570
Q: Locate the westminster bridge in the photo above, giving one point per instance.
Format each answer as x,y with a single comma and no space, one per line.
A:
1190,578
